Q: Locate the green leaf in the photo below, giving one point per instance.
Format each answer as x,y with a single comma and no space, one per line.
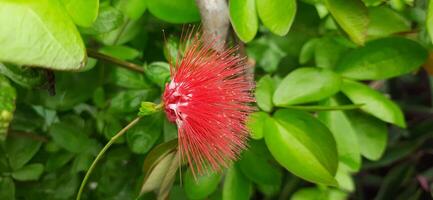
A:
307,51
178,12
257,164
264,91
385,21
255,124
372,134
48,38
328,51
57,160
66,96
156,165
236,185
120,52
134,9
306,85
316,194
129,79
373,2
352,16
344,178
109,18
201,186
71,137
344,133
20,151
429,20
303,145
243,17
7,188
82,163
24,76
143,136
277,15
382,59
30,172
158,73
128,101
267,53
125,32
83,12
316,108
7,105
374,102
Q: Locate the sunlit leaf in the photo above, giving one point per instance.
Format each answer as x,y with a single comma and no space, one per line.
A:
48,38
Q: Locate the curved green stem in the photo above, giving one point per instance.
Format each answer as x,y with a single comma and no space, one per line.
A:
102,152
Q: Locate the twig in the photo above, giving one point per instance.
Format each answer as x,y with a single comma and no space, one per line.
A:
128,65
215,21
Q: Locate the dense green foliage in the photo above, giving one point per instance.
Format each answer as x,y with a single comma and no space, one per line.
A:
343,89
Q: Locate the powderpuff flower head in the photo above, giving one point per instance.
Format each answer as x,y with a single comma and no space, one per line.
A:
209,98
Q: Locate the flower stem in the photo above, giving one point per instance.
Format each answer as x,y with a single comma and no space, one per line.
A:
102,152
128,65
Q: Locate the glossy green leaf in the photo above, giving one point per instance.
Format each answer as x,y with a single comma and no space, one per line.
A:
277,15
180,11
7,188
255,123
374,102
134,9
243,17
352,16
20,151
55,41
385,21
7,105
306,85
24,76
264,90
372,134
30,172
236,185
303,145
257,164
143,136
201,186
382,59
344,133
83,12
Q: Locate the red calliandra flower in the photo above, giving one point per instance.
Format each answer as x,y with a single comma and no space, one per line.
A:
209,98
